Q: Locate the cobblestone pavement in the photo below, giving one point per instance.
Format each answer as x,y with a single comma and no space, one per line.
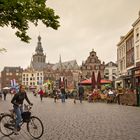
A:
86,121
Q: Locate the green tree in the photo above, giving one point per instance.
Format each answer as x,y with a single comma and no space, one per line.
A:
18,14
3,50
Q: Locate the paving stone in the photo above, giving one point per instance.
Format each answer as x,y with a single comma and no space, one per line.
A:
86,121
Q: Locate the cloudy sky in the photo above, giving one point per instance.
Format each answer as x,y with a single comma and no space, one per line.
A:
85,25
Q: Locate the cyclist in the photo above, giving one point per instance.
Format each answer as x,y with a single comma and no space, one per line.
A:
17,102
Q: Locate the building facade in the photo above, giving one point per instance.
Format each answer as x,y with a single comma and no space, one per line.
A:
136,70
129,59
0,81
125,60
11,73
110,71
69,71
121,56
91,64
31,78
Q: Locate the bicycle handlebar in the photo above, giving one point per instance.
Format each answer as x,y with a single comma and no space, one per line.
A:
27,107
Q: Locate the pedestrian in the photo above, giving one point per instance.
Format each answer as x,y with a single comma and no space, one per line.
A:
41,93
5,94
55,95
63,94
74,95
81,92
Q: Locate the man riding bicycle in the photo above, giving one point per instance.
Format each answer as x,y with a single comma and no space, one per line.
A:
17,102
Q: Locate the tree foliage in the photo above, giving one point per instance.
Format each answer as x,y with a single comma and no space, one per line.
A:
18,14
2,50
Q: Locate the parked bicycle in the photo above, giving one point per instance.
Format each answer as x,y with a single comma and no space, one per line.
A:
34,124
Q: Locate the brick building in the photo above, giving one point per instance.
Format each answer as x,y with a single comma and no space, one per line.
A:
91,64
10,73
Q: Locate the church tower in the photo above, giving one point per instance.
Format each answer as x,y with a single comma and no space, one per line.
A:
39,58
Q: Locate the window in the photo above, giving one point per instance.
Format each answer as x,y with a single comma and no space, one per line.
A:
7,70
137,34
7,73
106,71
114,71
137,52
121,65
97,67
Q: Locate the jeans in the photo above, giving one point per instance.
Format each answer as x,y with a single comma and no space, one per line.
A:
63,98
18,112
80,98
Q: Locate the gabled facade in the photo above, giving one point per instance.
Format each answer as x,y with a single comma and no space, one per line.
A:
110,71
91,64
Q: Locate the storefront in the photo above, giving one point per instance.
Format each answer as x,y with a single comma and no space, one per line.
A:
129,81
120,82
136,79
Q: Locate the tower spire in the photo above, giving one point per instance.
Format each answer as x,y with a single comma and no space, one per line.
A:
39,49
60,63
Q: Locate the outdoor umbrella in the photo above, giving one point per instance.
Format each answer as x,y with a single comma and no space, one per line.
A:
86,82
105,81
99,80
6,88
93,81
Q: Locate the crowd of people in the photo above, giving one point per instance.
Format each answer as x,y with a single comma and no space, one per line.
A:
61,93
78,93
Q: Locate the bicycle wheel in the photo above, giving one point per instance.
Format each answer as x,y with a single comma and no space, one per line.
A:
35,127
6,125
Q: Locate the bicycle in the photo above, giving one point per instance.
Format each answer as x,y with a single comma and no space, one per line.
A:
34,124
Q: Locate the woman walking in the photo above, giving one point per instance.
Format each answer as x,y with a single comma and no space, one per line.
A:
41,93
